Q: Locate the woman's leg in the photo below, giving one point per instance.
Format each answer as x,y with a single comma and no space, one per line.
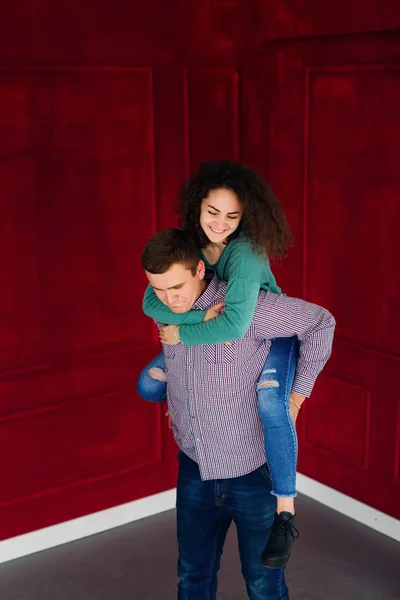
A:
253,510
149,385
280,440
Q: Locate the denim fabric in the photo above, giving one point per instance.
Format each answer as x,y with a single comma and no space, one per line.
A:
280,436
205,510
148,388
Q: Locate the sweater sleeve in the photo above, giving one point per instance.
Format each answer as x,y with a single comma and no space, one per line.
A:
245,271
154,308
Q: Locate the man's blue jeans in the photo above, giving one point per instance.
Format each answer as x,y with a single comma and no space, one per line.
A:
205,510
274,386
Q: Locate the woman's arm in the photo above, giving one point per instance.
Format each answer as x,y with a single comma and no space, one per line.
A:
240,302
154,308
246,272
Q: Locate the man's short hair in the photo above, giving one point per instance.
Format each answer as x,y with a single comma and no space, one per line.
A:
168,247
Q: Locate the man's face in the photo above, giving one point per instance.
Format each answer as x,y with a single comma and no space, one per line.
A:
177,288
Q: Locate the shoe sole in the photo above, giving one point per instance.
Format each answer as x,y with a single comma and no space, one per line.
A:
277,563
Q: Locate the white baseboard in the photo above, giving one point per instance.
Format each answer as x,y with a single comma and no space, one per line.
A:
55,535
349,506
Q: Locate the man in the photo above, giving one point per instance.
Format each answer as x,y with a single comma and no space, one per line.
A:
223,476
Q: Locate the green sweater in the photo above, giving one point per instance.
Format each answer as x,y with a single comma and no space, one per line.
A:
246,272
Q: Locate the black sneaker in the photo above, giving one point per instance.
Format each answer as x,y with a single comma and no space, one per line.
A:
279,545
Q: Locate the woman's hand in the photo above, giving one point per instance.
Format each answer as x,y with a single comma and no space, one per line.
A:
169,335
294,411
169,419
214,311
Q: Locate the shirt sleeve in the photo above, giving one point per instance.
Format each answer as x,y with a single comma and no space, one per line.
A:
245,272
154,308
280,316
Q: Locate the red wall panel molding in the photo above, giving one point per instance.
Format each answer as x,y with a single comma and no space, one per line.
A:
334,156
335,428
77,165
104,111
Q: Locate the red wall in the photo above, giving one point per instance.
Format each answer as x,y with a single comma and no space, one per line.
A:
104,110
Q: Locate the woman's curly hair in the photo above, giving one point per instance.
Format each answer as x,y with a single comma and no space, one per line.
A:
263,218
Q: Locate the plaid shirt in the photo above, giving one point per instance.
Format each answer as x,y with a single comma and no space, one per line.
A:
211,390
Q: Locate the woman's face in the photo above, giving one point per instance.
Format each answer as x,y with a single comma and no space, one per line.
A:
220,214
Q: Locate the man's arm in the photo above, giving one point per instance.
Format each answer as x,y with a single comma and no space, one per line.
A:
280,316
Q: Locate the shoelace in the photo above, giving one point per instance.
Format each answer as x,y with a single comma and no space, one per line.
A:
288,528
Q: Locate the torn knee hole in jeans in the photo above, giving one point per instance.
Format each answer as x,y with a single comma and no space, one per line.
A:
157,374
270,383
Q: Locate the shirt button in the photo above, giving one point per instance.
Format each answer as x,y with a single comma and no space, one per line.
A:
189,364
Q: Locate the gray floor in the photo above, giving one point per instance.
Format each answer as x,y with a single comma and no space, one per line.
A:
335,558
